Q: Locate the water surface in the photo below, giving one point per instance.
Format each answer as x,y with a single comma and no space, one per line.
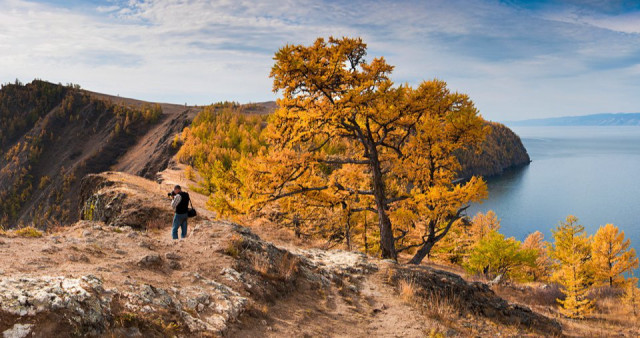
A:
589,172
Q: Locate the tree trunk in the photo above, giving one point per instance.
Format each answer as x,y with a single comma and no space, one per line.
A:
421,253
387,242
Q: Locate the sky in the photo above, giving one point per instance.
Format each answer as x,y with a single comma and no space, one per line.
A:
516,59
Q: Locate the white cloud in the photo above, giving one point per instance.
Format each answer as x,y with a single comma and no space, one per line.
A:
514,63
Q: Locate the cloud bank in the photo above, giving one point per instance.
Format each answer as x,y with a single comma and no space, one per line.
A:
517,59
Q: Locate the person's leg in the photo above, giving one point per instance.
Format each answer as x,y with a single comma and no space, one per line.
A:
176,224
184,226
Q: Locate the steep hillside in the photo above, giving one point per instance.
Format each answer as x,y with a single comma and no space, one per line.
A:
502,150
108,279
54,135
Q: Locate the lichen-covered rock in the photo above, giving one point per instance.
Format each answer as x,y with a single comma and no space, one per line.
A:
43,305
65,303
120,202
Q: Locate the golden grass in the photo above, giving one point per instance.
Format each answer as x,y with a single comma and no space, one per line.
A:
407,290
26,232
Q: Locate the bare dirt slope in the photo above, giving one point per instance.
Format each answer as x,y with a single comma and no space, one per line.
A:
153,151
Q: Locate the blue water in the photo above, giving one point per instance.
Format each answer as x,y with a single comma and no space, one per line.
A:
589,172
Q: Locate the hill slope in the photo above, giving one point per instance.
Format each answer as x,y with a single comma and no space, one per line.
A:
101,279
54,135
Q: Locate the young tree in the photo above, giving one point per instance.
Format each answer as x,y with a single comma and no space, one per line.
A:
465,235
483,224
495,255
632,295
572,252
347,140
612,255
544,264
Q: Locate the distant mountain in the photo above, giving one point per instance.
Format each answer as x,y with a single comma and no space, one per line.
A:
619,119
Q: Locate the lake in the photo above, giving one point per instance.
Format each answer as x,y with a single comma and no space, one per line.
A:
589,172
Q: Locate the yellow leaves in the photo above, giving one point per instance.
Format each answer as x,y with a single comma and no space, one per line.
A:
612,255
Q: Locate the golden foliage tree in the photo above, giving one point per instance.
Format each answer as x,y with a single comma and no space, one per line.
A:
346,140
572,252
632,295
465,235
612,255
543,265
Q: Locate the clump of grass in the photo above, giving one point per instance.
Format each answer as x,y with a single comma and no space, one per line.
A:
407,291
234,246
126,319
288,266
28,232
155,224
260,264
442,308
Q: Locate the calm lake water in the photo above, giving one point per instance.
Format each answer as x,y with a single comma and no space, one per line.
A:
589,172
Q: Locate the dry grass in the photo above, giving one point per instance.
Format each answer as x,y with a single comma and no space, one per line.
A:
288,266
407,290
155,224
442,308
234,246
259,264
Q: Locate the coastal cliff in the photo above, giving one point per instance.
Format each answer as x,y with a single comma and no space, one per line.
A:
502,150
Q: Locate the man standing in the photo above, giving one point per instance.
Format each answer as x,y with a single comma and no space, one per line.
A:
180,204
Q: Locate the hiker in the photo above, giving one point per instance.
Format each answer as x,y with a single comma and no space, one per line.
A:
180,204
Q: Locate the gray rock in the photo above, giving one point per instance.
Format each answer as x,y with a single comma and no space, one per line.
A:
172,256
174,265
150,261
18,331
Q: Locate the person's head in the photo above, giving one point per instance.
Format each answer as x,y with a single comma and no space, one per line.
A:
177,189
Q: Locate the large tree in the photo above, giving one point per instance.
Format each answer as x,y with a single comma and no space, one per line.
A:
346,141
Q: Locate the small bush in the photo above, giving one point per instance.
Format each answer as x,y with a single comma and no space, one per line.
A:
28,232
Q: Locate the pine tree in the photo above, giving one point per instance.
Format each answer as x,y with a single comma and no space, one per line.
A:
572,252
612,255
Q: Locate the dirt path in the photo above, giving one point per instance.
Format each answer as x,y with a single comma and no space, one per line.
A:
374,310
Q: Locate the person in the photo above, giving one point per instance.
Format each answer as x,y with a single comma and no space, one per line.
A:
180,204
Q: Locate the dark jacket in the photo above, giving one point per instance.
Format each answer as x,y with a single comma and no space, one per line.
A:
183,205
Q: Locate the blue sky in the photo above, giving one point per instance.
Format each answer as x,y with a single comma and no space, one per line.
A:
516,59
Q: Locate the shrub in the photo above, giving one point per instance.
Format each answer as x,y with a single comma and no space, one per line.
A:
28,232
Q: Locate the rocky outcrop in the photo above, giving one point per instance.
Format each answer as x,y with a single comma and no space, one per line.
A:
81,306
502,150
471,298
118,199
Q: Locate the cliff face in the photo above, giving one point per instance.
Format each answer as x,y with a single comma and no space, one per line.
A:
501,150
